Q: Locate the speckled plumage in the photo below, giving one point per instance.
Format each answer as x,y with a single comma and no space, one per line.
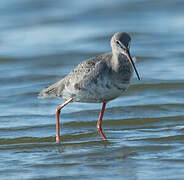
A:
93,80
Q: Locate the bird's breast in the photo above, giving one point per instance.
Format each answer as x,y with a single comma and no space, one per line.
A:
122,75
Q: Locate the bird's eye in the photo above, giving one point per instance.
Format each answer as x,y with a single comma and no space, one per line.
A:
120,45
118,42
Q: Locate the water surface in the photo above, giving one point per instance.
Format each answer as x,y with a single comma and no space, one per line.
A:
40,42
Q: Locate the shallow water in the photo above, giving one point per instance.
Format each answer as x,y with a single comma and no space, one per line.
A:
40,42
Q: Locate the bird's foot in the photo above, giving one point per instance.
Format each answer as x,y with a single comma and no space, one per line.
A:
58,140
101,133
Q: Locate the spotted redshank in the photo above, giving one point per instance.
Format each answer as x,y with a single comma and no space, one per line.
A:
96,80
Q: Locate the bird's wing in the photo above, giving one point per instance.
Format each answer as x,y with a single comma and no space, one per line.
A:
85,68
72,81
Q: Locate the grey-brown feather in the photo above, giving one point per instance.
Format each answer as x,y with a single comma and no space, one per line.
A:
80,72
92,81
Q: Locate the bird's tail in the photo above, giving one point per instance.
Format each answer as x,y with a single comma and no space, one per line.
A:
47,93
52,91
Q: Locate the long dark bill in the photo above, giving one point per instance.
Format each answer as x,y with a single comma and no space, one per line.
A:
127,54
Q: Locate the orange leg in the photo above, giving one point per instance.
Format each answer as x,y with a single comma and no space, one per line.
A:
57,119
99,122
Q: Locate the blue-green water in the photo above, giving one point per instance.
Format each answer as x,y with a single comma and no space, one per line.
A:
41,41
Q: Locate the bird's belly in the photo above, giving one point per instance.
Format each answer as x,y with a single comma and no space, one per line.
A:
95,94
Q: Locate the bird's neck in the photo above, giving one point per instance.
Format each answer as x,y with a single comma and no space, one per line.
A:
117,60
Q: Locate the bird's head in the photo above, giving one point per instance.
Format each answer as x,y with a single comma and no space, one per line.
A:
120,43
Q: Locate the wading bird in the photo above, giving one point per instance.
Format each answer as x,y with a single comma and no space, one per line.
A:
97,80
